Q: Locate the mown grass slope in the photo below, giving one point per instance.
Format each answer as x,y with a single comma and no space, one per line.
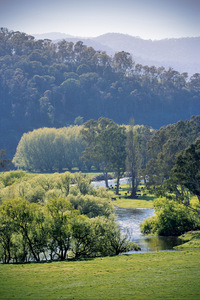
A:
162,275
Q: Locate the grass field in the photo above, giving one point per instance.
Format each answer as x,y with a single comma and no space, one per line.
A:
143,201
158,275
133,203
191,239
161,275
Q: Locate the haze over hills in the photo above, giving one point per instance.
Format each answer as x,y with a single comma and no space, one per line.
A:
47,85
182,54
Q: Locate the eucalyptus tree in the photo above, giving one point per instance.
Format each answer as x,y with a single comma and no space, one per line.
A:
123,62
166,143
133,158
4,162
105,145
186,171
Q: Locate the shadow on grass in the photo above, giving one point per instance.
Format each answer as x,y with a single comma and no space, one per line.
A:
146,198
53,261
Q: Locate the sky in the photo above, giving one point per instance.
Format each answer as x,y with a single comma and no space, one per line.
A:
148,19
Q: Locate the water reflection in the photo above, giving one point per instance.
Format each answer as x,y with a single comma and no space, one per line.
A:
130,220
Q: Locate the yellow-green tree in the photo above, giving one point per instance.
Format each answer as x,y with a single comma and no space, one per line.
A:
48,149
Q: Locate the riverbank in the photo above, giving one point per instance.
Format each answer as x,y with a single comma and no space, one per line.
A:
191,240
144,198
161,275
133,203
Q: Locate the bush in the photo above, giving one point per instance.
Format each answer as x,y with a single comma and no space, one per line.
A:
91,206
172,219
11,177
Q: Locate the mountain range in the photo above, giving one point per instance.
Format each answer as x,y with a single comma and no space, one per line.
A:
181,54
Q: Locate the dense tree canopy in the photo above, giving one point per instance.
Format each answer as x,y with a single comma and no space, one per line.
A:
171,218
47,84
186,171
4,162
56,217
166,143
174,173
50,149
105,145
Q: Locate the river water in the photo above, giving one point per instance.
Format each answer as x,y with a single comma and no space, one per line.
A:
111,182
129,221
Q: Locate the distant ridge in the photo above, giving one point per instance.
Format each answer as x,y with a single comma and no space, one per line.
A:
52,36
182,54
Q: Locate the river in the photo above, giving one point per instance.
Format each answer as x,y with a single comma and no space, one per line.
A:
129,221
111,182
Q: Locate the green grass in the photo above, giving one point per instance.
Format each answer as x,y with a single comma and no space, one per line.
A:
191,239
133,203
143,201
161,275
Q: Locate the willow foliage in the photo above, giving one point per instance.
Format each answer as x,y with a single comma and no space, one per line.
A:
48,149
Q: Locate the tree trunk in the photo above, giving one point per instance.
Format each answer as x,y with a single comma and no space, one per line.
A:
118,178
30,245
133,185
106,178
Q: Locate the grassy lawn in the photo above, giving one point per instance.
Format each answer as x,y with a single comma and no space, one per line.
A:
143,201
161,275
191,239
133,203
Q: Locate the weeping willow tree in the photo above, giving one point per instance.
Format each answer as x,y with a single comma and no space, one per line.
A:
49,149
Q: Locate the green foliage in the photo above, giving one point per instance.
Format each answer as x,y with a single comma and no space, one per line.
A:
11,177
165,144
50,217
60,213
82,183
34,188
99,236
171,218
27,219
105,146
91,206
49,149
133,158
186,171
184,181
45,84
4,162
191,240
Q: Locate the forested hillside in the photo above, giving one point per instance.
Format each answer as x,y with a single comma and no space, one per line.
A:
54,85
181,54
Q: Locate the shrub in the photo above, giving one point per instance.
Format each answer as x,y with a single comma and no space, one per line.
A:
171,218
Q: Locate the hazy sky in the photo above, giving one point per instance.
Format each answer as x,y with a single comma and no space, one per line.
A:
149,19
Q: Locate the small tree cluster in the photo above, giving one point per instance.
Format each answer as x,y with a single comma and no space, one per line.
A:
49,218
171,218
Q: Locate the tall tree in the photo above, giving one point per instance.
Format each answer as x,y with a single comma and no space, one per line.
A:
114,144
133,158
166,143
4,162
105,145
186,170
